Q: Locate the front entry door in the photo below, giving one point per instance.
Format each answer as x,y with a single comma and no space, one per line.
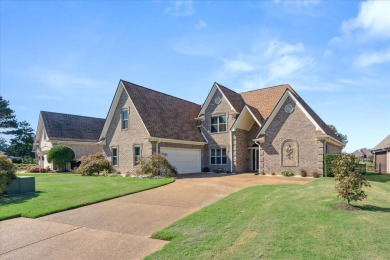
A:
255,158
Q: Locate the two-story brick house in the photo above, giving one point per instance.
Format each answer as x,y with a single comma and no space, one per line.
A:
268,130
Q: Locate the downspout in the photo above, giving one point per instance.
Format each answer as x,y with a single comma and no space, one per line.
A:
157,150
323,158
258,163
231,152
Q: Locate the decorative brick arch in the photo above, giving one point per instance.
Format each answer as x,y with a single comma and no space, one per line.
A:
289,153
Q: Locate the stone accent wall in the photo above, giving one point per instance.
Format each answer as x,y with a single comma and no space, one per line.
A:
217,140
295,127
125,139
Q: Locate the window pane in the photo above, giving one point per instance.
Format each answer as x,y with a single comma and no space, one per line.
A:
114,161
213,129
218,152
212,160
114,152
212,152
218,160
224,160
223,152
214,120
222,128
222,119
137,150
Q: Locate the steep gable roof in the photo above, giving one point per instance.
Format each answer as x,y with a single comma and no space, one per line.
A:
384,144
265,100
233,97
165,116
68,127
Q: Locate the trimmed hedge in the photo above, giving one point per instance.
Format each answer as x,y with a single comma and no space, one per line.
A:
7,172
328,163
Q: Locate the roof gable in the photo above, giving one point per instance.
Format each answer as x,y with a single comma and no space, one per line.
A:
66,127
165,116
384,144
234,100
245,119
321,127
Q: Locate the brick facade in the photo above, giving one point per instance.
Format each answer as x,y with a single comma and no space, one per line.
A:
125,139
218,140
299,132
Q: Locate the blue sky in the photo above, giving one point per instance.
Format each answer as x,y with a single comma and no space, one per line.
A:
68,57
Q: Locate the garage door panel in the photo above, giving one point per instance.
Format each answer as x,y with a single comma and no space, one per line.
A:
185,160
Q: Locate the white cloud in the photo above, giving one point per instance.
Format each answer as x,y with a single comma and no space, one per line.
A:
288,65
200,25
238,65
278,48
371,58
181,8
373,18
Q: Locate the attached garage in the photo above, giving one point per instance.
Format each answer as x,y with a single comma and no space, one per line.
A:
185,160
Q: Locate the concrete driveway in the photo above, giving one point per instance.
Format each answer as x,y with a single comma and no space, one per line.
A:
121,228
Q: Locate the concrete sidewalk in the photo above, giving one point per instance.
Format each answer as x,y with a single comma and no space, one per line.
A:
121,228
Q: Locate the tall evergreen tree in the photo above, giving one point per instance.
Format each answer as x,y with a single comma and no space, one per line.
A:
7,117
22,143
343,138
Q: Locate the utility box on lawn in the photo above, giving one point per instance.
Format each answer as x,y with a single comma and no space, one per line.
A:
21,185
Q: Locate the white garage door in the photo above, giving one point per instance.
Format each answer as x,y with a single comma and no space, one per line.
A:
185,160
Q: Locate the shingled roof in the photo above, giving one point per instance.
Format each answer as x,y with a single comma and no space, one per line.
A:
165,116
67,127
234,98
384,144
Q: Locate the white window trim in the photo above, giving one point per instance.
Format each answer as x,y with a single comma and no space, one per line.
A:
122,118
134,156
211,124
117,156
217,156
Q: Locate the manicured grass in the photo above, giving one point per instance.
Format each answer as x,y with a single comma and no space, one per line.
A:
58,192
284,222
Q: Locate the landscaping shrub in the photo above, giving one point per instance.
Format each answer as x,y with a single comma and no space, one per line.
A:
155,165
287,173
262,172
60,155
24,166
33,169
7,172
329,163
315,174
205,169
94,163
303,172
350,181
273,173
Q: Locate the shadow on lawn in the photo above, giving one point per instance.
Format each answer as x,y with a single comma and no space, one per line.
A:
374,208
379,178
19,198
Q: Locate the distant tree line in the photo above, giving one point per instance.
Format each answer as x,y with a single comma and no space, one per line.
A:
20,144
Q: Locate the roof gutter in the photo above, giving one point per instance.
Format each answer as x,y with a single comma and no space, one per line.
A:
174,141
329,139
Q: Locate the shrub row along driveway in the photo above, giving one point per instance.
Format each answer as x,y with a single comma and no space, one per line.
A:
120,228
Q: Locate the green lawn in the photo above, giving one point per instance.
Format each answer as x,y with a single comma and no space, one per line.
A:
284,222
58,192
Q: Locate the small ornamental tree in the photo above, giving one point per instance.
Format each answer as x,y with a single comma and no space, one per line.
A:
350,181
7,172
60,155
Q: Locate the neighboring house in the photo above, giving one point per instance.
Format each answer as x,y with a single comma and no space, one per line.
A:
268,130
382,156
80,133
363,154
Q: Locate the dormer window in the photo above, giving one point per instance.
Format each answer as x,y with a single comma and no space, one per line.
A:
125,118
218,124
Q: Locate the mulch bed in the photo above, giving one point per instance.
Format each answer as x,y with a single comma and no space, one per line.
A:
344,206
